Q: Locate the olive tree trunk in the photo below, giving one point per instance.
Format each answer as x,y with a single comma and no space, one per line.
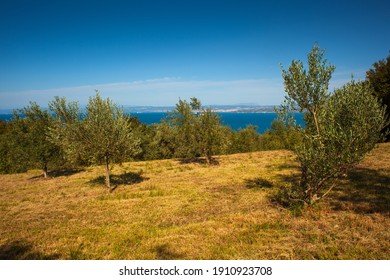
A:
106,160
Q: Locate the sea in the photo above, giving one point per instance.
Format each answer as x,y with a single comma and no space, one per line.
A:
234,120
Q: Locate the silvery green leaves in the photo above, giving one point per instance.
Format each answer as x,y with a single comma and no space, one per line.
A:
341,127
100,135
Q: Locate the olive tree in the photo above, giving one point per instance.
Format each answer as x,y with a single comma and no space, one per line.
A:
341,127
379,79
195,130
210,134
30,127
102,133
13,147
183,128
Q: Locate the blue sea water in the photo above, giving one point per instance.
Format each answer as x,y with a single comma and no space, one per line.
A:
236,121
5,117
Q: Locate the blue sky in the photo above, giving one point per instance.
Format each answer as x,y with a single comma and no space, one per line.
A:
153,52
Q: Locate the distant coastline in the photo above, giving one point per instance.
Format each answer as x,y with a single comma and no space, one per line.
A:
163,109
216,108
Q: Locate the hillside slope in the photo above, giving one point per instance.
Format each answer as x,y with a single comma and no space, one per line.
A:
169,209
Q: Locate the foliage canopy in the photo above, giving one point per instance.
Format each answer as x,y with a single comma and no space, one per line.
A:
341,127
24,142
100,135
194,131
379,79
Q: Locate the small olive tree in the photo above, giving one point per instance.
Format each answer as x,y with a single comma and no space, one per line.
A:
195,131
341,127
30,127
183,126
209,134
102,134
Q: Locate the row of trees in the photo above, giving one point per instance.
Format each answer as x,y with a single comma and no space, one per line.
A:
67,136
191,131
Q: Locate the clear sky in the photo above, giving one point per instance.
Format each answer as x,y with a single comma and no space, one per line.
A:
141,52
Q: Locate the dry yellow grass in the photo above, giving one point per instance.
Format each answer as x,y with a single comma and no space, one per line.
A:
171,210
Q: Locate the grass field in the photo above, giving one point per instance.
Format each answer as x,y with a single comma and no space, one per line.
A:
169,209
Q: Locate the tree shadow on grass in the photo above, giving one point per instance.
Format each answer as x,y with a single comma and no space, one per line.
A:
292,179
65,172
213,161
60,172
258,183
283,166
127,178
22,250
365,191
163,252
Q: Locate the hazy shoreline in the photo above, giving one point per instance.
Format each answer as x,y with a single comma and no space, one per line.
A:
163,109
